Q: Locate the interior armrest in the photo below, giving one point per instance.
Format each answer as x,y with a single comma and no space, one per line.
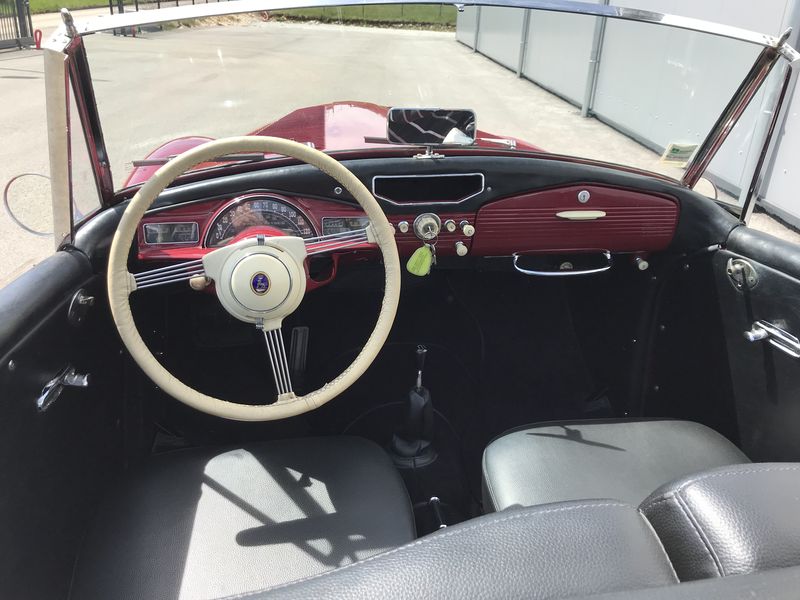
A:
729,521
550,551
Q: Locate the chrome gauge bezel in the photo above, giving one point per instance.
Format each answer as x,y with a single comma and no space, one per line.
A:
254,196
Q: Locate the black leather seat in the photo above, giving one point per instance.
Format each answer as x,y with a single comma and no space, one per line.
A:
210,524
626,460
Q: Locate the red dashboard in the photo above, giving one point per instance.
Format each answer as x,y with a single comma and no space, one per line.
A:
575,218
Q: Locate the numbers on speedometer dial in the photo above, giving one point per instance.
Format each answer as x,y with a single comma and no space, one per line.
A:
257,211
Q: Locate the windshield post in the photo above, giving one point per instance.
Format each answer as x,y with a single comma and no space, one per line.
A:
730,116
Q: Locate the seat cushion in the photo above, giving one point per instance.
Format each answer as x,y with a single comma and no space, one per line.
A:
625,459
199,524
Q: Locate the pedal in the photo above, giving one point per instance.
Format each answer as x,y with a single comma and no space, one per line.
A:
298,351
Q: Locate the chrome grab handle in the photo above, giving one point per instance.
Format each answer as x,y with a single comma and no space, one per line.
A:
67,377
564,272
781,339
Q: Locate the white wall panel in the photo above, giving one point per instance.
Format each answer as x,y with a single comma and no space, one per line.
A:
500,34
465,25
783,188
667,85
658,84
557,52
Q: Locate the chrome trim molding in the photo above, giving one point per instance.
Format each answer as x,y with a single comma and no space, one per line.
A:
442,203
192,241
162,15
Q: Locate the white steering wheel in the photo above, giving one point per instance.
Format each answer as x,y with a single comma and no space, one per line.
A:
260,280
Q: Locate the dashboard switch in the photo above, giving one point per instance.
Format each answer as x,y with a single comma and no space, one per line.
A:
450,225
467,229
403,226
461,249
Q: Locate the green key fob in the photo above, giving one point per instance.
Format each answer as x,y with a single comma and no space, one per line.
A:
420,262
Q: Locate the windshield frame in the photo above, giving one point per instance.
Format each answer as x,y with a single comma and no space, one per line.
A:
67,42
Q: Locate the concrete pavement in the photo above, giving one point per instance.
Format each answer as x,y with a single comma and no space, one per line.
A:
248,74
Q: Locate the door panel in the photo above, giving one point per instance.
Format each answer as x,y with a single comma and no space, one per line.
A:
53,464
766,380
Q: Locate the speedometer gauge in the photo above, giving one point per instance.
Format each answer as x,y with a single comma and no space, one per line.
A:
255,211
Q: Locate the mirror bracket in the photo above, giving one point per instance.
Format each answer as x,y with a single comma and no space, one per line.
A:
429,153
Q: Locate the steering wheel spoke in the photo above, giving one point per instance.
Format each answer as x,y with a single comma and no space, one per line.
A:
337,241
183,271
276,350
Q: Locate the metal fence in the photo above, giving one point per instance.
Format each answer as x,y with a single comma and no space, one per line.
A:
614,70
122,6
16,29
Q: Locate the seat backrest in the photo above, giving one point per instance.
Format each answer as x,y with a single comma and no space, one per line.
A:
729,521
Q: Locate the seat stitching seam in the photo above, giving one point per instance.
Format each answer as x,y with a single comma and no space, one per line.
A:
660,500
729,473
430,539
686,512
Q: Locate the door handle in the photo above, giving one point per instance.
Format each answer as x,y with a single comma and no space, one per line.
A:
780,338
67,377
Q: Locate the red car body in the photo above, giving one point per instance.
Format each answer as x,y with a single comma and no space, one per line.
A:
335,126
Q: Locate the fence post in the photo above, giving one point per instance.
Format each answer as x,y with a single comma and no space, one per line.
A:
594,63
23,25
477,29
523,43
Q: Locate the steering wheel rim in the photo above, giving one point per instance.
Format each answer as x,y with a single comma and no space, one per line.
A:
121,283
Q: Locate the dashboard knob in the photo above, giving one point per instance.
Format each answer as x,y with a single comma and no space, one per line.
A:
450,225
461,248
403,226
467,229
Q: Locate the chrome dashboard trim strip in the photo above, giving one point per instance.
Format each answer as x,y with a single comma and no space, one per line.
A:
430,175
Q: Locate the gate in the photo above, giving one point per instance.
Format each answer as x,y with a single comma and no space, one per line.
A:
16,29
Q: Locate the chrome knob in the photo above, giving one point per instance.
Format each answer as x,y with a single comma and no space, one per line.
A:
403,226
461,249
642,264
450,225
467,229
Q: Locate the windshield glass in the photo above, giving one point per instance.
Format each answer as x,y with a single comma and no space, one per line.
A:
327,77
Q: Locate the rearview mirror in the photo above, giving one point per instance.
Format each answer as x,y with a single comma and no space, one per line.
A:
430,127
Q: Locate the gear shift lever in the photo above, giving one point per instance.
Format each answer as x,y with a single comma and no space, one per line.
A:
422,352
412,444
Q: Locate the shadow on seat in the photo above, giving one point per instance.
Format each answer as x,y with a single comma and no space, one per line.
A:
204,523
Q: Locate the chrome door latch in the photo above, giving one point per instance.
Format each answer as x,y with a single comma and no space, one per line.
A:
742,273
781,339
52,390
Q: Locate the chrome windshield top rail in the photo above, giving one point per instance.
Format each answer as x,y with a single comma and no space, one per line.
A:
195,11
